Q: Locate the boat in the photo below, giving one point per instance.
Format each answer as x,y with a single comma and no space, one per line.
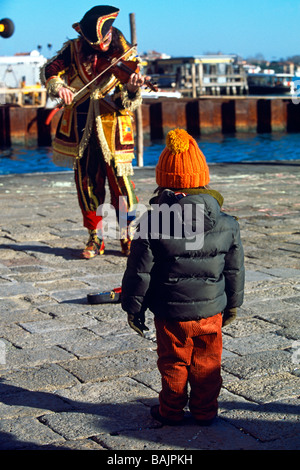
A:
270,83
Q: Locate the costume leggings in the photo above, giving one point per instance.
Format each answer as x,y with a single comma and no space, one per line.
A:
91,173
189,352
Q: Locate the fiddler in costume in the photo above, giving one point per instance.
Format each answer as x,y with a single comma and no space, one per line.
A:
95,133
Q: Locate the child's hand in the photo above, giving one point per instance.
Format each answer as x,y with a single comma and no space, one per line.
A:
136,321
228,316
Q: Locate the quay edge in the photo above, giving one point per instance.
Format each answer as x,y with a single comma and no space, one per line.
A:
199,116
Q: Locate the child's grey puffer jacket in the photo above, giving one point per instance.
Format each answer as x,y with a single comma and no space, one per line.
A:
177,278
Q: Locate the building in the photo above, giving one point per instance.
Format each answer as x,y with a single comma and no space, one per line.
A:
21,68
200,75
20,79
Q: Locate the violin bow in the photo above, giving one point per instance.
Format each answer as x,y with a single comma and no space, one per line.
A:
61,102
103,72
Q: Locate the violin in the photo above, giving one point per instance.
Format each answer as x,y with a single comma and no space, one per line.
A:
122,69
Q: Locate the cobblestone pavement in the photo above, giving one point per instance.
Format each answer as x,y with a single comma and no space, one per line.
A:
75,376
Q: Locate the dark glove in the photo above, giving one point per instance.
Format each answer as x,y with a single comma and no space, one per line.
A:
229,315
136,321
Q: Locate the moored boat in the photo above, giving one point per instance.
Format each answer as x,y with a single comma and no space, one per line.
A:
270,84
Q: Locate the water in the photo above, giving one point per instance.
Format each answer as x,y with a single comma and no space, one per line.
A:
216,148
244,148
20,160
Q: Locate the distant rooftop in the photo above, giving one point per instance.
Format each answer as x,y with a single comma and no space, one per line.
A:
23,57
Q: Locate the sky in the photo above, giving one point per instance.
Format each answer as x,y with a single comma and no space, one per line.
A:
175,27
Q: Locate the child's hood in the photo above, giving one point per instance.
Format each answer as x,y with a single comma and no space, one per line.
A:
210,200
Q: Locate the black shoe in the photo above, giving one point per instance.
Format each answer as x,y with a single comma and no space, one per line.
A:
154,411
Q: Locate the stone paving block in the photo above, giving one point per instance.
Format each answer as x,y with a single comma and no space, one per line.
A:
108,281
282,272
37,300
12,316
87,397
65,309
150,378
102,419
259,364
25,234
283,444
267,388
35,269
254,276
220,435
20,358
56,324
22,433
80,444
107,328
94,370
293,300
16,289
109,316
246,327
270,291
284,315
113,344
227,377
251,344
292,332
266,422
74,295
48,377
4,270
14,334
30,403
60,285
63,338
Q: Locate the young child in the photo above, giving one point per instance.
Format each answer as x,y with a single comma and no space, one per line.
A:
192,284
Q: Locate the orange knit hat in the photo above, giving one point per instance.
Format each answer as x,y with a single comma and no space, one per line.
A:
181,164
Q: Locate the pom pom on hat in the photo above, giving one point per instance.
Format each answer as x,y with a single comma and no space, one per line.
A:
181,164
178,141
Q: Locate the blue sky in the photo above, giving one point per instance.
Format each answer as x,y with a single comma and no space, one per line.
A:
176,27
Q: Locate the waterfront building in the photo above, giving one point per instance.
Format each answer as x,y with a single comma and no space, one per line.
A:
200,75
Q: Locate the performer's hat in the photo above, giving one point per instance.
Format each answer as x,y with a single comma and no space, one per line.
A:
96,23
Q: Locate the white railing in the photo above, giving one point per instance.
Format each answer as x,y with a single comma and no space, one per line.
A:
27,96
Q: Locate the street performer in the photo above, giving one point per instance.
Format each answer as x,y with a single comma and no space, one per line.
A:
95,133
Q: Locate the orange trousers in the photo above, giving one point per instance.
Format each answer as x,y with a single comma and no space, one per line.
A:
189,352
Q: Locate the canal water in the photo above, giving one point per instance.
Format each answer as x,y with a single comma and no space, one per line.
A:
217,149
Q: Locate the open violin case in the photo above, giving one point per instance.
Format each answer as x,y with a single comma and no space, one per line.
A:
108,297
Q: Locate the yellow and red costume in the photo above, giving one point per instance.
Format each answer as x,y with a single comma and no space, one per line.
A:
95,133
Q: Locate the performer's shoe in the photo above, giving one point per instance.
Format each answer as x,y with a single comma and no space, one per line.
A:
95,246
125,246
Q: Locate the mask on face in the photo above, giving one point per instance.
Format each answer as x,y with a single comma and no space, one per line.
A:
96,26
